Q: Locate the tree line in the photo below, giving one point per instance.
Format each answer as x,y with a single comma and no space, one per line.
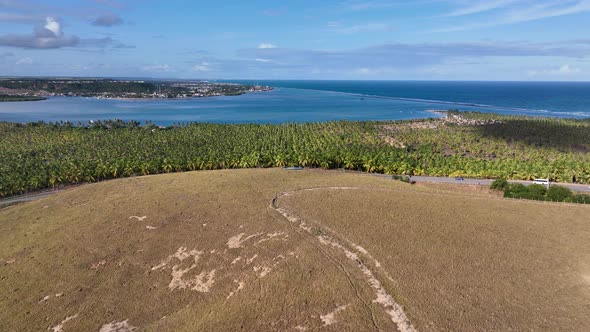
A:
46,155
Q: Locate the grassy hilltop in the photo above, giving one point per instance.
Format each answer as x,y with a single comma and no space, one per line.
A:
276,250
38,155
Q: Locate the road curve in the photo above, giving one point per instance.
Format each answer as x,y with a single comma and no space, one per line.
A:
434,179
487,182
31,196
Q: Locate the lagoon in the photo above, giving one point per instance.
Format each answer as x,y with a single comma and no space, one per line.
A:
314,102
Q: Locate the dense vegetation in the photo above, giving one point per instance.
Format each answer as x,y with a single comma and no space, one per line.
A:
7,98
40,155
122,89
539,192
79,86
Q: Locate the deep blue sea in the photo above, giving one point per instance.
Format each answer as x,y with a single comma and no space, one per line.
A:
313,101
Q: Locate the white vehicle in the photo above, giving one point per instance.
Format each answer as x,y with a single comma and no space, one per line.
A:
544,182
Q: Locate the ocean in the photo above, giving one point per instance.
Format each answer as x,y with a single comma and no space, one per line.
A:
315,101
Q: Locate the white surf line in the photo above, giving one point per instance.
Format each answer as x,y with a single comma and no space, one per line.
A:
392,308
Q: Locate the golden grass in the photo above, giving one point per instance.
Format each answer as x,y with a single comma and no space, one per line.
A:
211,254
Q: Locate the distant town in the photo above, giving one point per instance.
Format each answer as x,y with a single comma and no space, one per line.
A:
30,89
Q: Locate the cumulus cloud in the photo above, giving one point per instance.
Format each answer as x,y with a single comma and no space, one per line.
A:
45,36
49,35
266,45
107,20
54,26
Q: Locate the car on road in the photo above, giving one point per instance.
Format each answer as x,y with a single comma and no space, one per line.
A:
459,178
544,182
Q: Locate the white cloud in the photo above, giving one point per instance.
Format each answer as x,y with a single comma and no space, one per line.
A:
266,45
203,66
513,12
164,68
54,26
25,61
263,60
546,10
564,70
44,36
477,7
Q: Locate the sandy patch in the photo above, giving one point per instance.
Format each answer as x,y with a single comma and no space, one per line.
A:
241,286
60,327
262,271
97,265
330,318
251,259
181,254
201,283
138,218
236,260
44,299
118,327
236,241
271,236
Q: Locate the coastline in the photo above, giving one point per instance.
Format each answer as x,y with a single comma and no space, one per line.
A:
19,99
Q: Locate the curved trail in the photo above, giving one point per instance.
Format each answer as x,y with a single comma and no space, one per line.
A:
353,252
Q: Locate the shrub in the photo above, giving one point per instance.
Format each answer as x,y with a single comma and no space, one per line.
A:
559,193
537,191
402,178
516,190
581,199
499,184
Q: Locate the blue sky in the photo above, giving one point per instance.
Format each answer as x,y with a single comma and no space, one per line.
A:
526,40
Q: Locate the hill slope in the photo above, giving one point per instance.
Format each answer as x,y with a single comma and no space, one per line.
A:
268,249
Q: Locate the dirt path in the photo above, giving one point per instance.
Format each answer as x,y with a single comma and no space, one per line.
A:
354,252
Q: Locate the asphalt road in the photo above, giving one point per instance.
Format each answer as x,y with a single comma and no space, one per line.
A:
33,196
487,182
466,181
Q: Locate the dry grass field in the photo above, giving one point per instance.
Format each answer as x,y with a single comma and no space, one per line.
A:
276,250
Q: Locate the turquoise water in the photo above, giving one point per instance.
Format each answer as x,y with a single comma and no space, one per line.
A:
313,101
